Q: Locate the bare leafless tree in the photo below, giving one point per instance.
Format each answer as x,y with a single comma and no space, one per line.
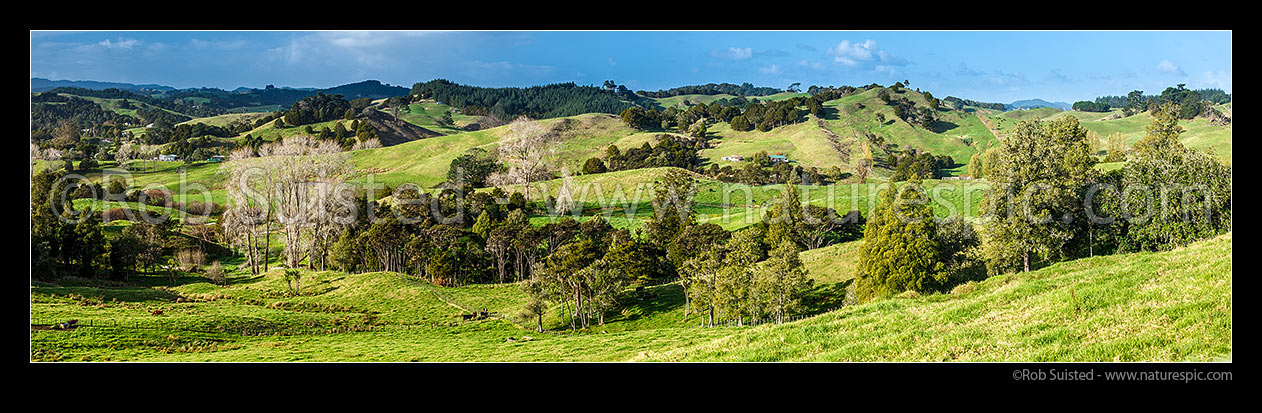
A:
525,150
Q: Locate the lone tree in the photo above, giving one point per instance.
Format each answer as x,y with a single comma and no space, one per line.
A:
900,251
524,151
1038,172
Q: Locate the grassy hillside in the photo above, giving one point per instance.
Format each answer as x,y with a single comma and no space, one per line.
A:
957,134
226,119
113,106
1169,306
425,162
1198,133
426,115
677,101
804,143
254,320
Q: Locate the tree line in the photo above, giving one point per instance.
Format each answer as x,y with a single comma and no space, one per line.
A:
744,90
1047,204
1192,103
548,101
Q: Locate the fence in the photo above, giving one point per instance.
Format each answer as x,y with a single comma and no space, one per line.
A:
754,322
243,330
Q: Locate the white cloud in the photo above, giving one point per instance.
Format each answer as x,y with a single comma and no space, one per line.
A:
812,65
222,45
1056,76
850,54
770,70
121,43
864,54
612,63
1219,79
734,53
1169,67
966,71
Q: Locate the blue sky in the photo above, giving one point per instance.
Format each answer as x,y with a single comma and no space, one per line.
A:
993,66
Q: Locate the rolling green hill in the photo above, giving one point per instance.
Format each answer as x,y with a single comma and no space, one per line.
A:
1169,306
1198,133
957,134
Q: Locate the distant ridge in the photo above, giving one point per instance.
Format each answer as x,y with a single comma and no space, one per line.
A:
40,84
368,88
1037,103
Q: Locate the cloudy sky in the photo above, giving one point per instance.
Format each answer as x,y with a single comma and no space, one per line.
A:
989,66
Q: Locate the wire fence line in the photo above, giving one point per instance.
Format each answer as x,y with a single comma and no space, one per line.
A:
176,326
736,322
244,331
312,329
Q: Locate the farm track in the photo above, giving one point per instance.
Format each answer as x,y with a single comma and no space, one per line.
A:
842,147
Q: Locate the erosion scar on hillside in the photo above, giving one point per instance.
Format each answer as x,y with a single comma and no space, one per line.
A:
842,147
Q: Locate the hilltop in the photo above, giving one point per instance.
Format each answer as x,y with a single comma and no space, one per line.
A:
39,84
1036,103
1199,133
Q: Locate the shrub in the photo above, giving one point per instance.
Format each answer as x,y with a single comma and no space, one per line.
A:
216,274
116,190
190,259
594,166
115,214
908,294
964,288
199,208
85,191
155,197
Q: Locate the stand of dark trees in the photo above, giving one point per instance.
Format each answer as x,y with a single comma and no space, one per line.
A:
669,151
48,110
957,103
1192,102
744,89
539,102
1086,106
922,165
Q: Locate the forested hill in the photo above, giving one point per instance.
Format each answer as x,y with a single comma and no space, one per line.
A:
540,102
201,102
744,89
40,85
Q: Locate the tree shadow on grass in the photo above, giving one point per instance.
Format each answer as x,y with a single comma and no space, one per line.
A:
824,297
940,126
662,298
831,113
106,293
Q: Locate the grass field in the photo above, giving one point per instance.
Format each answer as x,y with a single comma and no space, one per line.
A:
254,320
426,115
1171,306
226,119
